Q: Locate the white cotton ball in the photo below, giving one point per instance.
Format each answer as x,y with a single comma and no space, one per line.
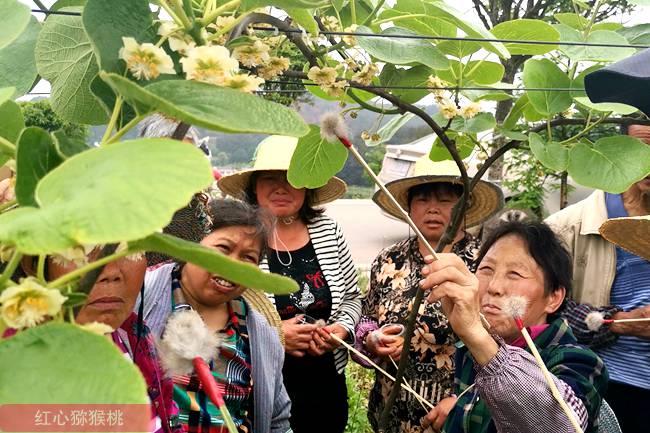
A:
332,127
185,338
594,320
515,306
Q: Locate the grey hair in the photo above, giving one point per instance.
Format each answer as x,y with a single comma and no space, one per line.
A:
159,126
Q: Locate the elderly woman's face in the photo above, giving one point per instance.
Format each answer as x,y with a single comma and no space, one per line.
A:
112,298
240,243
508,270
431,211
275,194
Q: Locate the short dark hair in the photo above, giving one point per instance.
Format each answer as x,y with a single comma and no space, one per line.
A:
231,213
434,188
307,211
545,247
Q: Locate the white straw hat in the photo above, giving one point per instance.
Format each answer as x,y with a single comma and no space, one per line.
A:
486,199
274,153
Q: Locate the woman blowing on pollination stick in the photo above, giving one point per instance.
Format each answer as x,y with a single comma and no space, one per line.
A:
505,389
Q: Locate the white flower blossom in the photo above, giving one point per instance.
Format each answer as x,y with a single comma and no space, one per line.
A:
209,64
29,304
471,110
253,54
244,82
366,74
274,67
322,76
145,61
349,39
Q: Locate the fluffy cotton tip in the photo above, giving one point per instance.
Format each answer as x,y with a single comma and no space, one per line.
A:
185,338
594,320
332,126
515,306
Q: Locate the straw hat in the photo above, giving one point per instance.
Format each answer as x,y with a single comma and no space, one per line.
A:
486,200
274,153
631,234
258,301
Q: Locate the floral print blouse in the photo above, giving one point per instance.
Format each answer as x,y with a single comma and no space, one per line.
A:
394,278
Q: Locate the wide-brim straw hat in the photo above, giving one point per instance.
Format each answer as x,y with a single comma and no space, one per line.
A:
486,199
258,301
630,233
274,153
626,81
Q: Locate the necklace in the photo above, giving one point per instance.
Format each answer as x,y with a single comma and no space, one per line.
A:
286,249
288,219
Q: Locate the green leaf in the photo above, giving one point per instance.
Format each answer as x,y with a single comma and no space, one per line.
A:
416,76
387,131
475,72
17,63
464,144
65,58
459,49
486,95
363,9
443,10
595,54
513,135
238,272
36,156
59,363
552,155
606,106
60,4
639,2
516,112
607,26
637,35
543,73
6,93
305,18
66,146
14,17
572,20
107,22
425,24
479,123
12,121
209,106
79,205
107,99
611,164
315,160
247,5
528,30
402,51
75,299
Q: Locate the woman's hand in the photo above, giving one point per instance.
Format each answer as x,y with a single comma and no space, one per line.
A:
383,345
438,415
297,336
322,340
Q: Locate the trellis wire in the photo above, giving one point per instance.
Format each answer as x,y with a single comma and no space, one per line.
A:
422,37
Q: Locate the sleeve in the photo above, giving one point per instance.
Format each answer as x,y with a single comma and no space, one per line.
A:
576,313
368,321
349,313
518,397
363,328
281,405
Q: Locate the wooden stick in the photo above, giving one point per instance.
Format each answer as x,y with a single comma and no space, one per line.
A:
610,321
381,370
549,380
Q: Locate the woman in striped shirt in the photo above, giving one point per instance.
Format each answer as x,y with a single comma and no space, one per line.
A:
310,248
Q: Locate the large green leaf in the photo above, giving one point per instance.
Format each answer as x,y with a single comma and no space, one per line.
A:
464,144
12,121
124,191
442,10
527,30
363,9
36,156
106,22
209,106
14,17
65,58
591,53
17,63
572,20
486,95
60,4
606,106
305,18
420,18
59,363
553,154
6,93
475,72
479,123
637,35
391,127
400,51
238,272
315,160
66,146
543,73
459,49
516,112
611,164
416,76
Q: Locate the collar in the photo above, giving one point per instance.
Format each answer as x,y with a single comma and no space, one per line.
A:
594,213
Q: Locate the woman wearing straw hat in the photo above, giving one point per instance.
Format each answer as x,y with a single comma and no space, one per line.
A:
429,197
309,247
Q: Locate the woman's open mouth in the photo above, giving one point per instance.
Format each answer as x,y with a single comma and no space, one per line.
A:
222,285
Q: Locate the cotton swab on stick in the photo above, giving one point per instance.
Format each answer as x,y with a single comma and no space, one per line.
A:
516,307
596,319
333,128
185,346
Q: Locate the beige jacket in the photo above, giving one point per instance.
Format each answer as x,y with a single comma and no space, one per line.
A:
594,259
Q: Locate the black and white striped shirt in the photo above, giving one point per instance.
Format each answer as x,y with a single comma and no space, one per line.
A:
338,270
